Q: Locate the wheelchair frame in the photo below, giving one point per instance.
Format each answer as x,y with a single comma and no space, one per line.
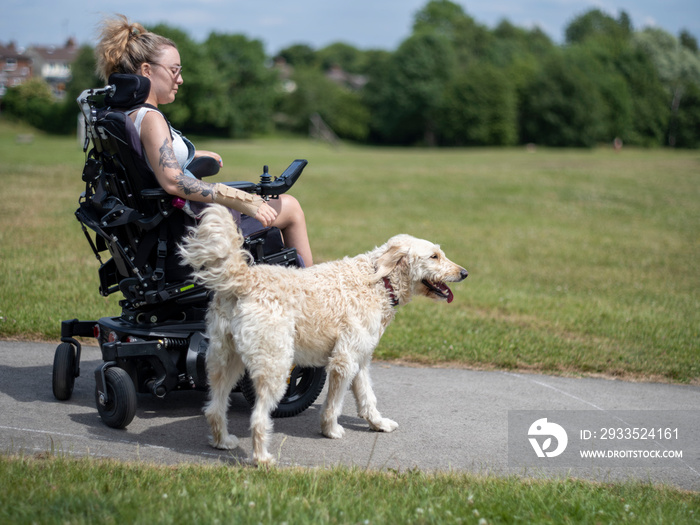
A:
158,344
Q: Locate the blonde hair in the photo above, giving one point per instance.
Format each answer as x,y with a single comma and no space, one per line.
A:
124,46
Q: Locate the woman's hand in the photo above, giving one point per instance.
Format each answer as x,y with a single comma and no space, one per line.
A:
266,214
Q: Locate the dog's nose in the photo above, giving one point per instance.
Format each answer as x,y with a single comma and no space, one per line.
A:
463,274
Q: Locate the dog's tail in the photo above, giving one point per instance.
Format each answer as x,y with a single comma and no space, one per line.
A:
214,249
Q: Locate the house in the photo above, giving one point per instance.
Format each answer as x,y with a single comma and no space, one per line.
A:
15,66
53,64
345,79
335,74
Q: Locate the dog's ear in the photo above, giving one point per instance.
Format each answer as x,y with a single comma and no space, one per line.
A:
389,260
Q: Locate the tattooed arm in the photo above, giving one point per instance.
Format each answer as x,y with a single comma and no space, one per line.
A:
155,136
188,187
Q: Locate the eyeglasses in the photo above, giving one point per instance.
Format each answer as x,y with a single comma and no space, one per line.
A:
175,70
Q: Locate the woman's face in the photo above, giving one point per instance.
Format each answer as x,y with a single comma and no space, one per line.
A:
165,75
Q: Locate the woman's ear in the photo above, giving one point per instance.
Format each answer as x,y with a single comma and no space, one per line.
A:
145,70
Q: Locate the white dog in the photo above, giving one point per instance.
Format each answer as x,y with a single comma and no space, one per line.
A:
265,318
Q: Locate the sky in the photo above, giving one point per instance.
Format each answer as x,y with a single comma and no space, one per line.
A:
365,24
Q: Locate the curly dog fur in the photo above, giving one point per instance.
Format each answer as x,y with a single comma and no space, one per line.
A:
265,318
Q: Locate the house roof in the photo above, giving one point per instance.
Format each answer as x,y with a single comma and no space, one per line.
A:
11,51
66,53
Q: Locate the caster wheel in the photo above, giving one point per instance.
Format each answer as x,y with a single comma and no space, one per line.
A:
63,379
120,408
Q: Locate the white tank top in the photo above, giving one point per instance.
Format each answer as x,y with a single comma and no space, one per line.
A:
179,146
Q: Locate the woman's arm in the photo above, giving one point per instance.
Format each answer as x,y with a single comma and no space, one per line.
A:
158,145
157,142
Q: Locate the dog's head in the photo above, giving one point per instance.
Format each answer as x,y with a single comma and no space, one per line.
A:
417,267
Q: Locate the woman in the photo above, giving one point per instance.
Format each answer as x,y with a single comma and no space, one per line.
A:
129,48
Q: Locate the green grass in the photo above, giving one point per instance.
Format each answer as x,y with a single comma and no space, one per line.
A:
581,262
61,490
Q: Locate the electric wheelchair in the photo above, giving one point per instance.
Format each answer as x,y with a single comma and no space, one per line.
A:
158,344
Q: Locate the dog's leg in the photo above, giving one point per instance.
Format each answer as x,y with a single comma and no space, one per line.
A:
270,386
341,369
224,369
367,403
337,386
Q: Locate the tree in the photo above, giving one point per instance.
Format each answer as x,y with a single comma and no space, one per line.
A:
512,44
632,96
28,99
299,55
83,75
688,41
340,108
479,109
600,62
405,100
245,89
562,106
470,41
595,24
33,102
649,111
688,120
345,56
442,16
677,66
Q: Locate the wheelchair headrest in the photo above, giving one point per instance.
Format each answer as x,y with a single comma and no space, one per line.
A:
131,90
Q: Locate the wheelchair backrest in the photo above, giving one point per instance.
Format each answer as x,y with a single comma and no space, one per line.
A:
141,231
114,139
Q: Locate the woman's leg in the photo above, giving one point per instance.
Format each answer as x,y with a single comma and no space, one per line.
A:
290,219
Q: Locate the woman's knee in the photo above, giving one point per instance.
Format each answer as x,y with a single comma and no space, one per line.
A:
291,202
290,210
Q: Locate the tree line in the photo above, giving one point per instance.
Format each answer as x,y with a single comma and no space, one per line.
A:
452,82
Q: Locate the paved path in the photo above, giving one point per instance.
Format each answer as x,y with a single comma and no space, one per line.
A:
448,419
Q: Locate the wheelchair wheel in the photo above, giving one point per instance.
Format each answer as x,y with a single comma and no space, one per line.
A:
304,386
63,378
120,408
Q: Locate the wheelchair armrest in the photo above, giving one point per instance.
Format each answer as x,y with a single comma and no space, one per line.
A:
158,193
203,167
153,193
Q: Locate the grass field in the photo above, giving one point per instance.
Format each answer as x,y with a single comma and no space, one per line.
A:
581,262
59,490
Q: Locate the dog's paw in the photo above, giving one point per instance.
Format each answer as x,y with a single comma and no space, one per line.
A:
334,431
384,425
228,443
264,460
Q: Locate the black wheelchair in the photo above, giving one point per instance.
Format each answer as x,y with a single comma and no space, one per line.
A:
158,344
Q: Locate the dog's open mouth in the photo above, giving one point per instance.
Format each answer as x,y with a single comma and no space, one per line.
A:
439,289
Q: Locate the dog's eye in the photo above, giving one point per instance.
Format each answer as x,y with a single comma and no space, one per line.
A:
436,256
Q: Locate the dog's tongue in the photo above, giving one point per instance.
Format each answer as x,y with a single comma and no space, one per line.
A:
445,290
440,288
